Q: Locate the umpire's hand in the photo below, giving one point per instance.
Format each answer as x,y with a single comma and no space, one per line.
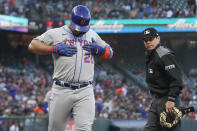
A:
169,106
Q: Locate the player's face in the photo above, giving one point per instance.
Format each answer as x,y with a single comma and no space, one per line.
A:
75,32
151,42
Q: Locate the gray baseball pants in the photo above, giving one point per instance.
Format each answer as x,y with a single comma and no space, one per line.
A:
64,100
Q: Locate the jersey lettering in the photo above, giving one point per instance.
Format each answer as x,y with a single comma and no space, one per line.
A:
82,42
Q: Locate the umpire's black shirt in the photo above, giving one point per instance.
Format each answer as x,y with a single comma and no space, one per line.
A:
163,74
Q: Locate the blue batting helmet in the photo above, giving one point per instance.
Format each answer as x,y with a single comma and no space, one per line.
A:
80,18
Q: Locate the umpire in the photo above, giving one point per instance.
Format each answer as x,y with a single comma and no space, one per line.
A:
164,78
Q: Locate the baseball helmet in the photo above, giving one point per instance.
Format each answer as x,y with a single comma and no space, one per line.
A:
80,18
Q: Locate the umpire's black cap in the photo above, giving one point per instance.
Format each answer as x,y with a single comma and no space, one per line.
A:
150,32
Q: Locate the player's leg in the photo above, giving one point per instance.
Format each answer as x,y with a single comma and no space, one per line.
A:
60,106
84,109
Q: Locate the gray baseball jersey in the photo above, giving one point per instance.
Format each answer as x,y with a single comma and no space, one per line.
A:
76,69
79,67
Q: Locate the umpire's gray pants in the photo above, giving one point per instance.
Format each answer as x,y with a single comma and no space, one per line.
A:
158,106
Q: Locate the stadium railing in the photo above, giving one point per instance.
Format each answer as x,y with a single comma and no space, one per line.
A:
40,123
23,123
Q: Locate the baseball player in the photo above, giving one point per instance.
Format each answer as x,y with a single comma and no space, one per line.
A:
73,48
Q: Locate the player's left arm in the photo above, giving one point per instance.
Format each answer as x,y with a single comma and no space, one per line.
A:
99,47
108,53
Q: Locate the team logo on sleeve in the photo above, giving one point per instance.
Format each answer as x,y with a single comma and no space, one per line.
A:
169,67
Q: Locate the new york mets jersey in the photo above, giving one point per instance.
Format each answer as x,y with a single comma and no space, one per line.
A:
78,68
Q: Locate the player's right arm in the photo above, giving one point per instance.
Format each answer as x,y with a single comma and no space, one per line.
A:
46,44
39,47
43,44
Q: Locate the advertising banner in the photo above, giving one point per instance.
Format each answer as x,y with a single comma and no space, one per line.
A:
138,25
13,23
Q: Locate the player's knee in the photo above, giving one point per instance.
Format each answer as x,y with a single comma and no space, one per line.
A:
56,126
83,127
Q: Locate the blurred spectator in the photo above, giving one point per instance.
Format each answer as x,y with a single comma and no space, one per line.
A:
169,13
119,91
39,109
13,127
99,107
133,13
13,90
2,122
110,9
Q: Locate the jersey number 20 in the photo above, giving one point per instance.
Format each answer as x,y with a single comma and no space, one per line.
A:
89,59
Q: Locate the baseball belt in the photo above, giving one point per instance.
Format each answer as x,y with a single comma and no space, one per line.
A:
73,87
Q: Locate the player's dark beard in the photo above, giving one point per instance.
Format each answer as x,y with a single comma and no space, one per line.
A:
79,34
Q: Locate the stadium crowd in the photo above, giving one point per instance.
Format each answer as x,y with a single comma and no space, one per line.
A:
189,93
23,88
118,98
59,10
